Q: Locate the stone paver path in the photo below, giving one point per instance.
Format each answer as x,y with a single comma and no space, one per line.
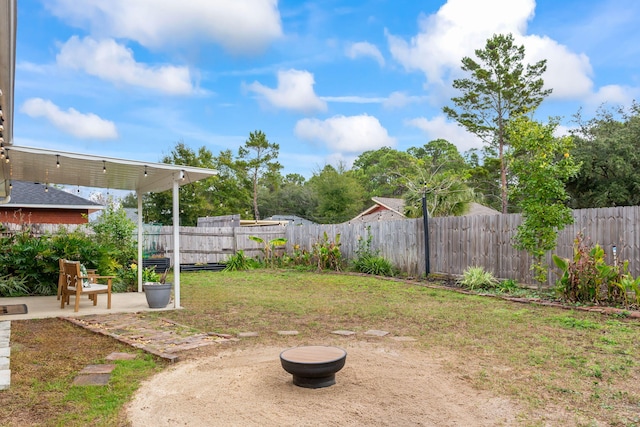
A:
158,336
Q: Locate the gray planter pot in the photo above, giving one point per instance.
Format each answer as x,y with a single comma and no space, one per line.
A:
158,294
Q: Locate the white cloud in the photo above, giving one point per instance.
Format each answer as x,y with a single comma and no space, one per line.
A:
113,62
461,26
401,99
294,92
240,26
439,127
614,95
354,99
80,125
346,134
364,49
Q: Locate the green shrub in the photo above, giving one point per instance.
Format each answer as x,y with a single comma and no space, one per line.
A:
12,286
587,278
508,286
374,265
238,261
327,254
477,278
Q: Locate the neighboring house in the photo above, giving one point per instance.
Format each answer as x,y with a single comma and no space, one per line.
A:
291,219
389,209
41,204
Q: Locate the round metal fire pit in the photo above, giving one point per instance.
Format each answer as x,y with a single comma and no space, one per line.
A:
313,366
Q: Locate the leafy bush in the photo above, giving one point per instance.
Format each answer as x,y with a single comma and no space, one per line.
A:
587,278
269,249
477,278
375,265
12,286
507,286
32,262
238,261
327,254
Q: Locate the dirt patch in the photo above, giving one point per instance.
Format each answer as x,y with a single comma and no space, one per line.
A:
381,384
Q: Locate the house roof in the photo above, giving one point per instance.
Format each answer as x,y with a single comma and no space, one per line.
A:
392,204
394,209
478,209
33,195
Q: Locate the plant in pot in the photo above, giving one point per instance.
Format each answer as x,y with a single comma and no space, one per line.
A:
158,292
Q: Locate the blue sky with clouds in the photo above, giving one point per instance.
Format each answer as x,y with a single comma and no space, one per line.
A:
326,79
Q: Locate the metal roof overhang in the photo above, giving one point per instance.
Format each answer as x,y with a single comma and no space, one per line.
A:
8,26
84,170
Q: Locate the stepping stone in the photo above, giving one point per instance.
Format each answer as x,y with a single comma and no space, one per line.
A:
376,333
121,356
92,379
247,334
343,333
288,332
98,369
215,334
404,339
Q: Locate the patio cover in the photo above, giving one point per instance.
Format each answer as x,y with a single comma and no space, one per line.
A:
58,167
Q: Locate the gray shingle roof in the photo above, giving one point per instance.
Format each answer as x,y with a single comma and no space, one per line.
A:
34,195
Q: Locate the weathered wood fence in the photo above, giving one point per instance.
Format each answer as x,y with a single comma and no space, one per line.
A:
455,242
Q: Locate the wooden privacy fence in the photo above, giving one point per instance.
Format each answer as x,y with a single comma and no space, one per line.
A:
455,242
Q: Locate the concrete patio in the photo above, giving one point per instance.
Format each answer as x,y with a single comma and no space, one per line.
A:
41,307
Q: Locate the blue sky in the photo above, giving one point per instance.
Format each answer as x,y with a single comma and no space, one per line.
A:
326,79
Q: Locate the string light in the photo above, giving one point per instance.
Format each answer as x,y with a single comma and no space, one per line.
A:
104,166
58,160
145,171
7,158
10,185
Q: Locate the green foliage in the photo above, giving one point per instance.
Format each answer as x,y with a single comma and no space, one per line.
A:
114,234
541,164
379,171
32,262
195,197
327,254
13,286
370,262
498,88
269,249
477,278
237,261
607,148
507,286
376,265
587,278
340,196
258,157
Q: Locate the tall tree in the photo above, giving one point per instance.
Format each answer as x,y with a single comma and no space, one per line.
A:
607,146
499,87
340,196
379,171
542,164
194,201
258,156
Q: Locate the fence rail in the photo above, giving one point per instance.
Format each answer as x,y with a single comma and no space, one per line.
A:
455,243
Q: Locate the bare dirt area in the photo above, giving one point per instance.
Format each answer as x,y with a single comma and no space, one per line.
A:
381,384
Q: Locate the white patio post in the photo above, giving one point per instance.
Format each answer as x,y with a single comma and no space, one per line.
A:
139,195
176,240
